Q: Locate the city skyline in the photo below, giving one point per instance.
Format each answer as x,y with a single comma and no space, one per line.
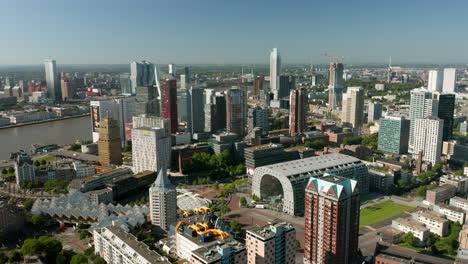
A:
124,32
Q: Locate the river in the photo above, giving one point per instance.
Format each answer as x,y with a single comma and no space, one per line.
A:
55,132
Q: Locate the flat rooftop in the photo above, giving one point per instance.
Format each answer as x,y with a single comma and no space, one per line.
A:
266,232
265,147
412,223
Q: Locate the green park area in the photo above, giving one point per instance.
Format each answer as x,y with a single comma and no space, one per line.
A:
381,211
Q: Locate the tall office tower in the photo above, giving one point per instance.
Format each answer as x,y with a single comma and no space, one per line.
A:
172,69
428,138
394,134
450,79
24,168
210,95
151,149
374,112
187,76
67,87
331,220
335,85
146,100
258,85
210,117
273,243
109,145
52,79
421,105
145,121
215,114
297,111
221,114
286,84
353,108
275,71
197,116
183,81
445,111
183,106
258,117
125,83
169,102
236,111
163,201
142,74
435,81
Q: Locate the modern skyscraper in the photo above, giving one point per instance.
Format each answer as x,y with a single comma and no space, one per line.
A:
353,108
185,78
286,84
197,116
109,144
52,80
428,138
435,81
258,86
394,135
146,100
258,117
67,87
215,114
151,149
374,112
335,85
183,106
172,69
142,74
298,110
275,71
450,79
422,105
125,83
169,102
236,111
331,220
24,168
445,111
273,243
163,201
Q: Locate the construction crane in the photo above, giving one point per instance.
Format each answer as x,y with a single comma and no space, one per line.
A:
335,56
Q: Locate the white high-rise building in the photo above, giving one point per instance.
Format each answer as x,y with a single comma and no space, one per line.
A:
24,168
151,149
275,71
428,138
435,81
172,69
353,108
52,80
142,74
163,201
183,81
450,79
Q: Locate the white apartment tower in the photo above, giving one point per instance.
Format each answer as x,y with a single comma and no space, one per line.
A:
151,149
450,78
163,201
353,108
275,71
435,81
428,138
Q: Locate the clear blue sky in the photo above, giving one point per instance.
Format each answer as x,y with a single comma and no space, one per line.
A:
231,31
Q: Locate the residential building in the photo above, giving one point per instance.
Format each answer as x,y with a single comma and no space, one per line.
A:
331,220
459,202
273,243
380,181
117,246
151,149
183,106
225,251
419,230
353,108
142,73
374,112
172,70
392,254
461,182
394,134
435,221
427,138
67,87
275,71
258,117
297,111
236,111
196,123
125,83
169,102
335,86
445,112
435,81
163,201
455,151
289,179
422,105
451,212
450,79
24,168
109,144
145,121
52,79
146,101
286,84
258,86
441,194
83,170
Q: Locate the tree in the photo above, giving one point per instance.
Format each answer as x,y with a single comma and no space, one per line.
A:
51,247
79,259
298,244
84,234
235,226
255,198
214,207
31,247
4,171
36,220
15,256
352,140
215,186
43,162
3,257
11,170
409,239
64,257
28,204
243,201
37,163
99,260
225,210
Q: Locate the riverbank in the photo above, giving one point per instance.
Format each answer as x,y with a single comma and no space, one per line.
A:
44,121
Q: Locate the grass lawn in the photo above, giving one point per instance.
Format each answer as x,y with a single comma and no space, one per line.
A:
46,158
381,211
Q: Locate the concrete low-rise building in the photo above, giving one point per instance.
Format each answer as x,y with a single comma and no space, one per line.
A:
459,202
451,212
380,181
440,194
228,251
419,230
461,182
435,221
